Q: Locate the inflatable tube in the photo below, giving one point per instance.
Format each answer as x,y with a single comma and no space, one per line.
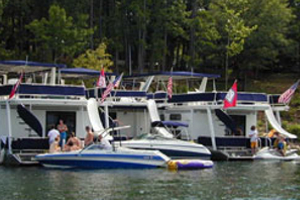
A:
189,164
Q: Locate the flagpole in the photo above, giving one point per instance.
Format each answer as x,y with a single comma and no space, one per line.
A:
9,125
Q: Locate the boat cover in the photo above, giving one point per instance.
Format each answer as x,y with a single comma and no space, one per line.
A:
169,123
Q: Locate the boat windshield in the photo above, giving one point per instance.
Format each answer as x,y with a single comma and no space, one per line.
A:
149,136
95,147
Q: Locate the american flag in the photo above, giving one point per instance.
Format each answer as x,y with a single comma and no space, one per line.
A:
118,81
110,87
101,80
16,86
287,95
170,87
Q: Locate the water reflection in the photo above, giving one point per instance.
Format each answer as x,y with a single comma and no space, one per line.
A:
227,180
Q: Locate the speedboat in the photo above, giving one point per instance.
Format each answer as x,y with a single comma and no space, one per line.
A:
272,154
96,157
171,147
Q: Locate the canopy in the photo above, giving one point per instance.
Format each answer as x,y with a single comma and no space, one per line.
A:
81,72
169,123
180,75
16,66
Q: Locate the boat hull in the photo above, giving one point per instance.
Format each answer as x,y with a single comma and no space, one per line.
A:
174,150
272,154
105,160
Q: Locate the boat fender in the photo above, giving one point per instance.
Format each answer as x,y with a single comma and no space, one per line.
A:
2,152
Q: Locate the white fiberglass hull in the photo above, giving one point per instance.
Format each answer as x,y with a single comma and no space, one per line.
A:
104,159
273,154
173,148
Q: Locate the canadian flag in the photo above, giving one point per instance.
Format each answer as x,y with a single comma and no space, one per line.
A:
101,80
231,97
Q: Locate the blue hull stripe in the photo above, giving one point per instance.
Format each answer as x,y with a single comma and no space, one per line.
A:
137,157
96,164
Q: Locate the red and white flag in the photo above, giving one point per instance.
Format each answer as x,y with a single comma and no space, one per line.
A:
16,86
231,96
101,80
110,87
288,94
170,87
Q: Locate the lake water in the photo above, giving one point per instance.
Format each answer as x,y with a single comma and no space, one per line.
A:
227,180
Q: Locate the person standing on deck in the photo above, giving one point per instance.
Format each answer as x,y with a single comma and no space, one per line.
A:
52,134
62,128
253,134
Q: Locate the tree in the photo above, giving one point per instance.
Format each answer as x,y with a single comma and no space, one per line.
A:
94,59
59,35
232,27
269,40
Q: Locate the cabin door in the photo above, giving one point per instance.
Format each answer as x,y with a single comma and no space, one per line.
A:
69,118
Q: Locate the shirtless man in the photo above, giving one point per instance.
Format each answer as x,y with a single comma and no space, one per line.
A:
62,128
89,138
74,143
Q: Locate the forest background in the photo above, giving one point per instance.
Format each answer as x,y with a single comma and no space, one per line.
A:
256,42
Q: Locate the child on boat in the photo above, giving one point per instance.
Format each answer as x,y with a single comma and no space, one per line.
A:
54,147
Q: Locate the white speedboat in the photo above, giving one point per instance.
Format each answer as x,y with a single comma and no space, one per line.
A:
273,154
171,147
95,157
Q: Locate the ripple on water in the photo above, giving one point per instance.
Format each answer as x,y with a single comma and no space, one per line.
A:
227,180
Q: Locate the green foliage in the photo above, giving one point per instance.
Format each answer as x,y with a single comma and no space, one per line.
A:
265,43
157,35
94,59
294,129
231,23
59,34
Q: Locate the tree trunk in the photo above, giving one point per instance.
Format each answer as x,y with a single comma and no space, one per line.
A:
140,52
142,37
100,20
92,22
164,51
192,36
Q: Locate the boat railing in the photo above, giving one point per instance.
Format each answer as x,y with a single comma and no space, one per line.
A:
273,100
209,98
44,91
259,143
116,95
268,142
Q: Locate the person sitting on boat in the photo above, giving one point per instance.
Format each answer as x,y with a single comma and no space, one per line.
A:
54,147
63,132
89,138
253,134
105,144
73,143
52,134
280,144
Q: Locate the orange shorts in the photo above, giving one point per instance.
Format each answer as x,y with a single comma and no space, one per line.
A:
253,145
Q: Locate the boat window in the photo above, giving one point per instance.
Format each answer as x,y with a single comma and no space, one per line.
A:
176,117
69,118
162,117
